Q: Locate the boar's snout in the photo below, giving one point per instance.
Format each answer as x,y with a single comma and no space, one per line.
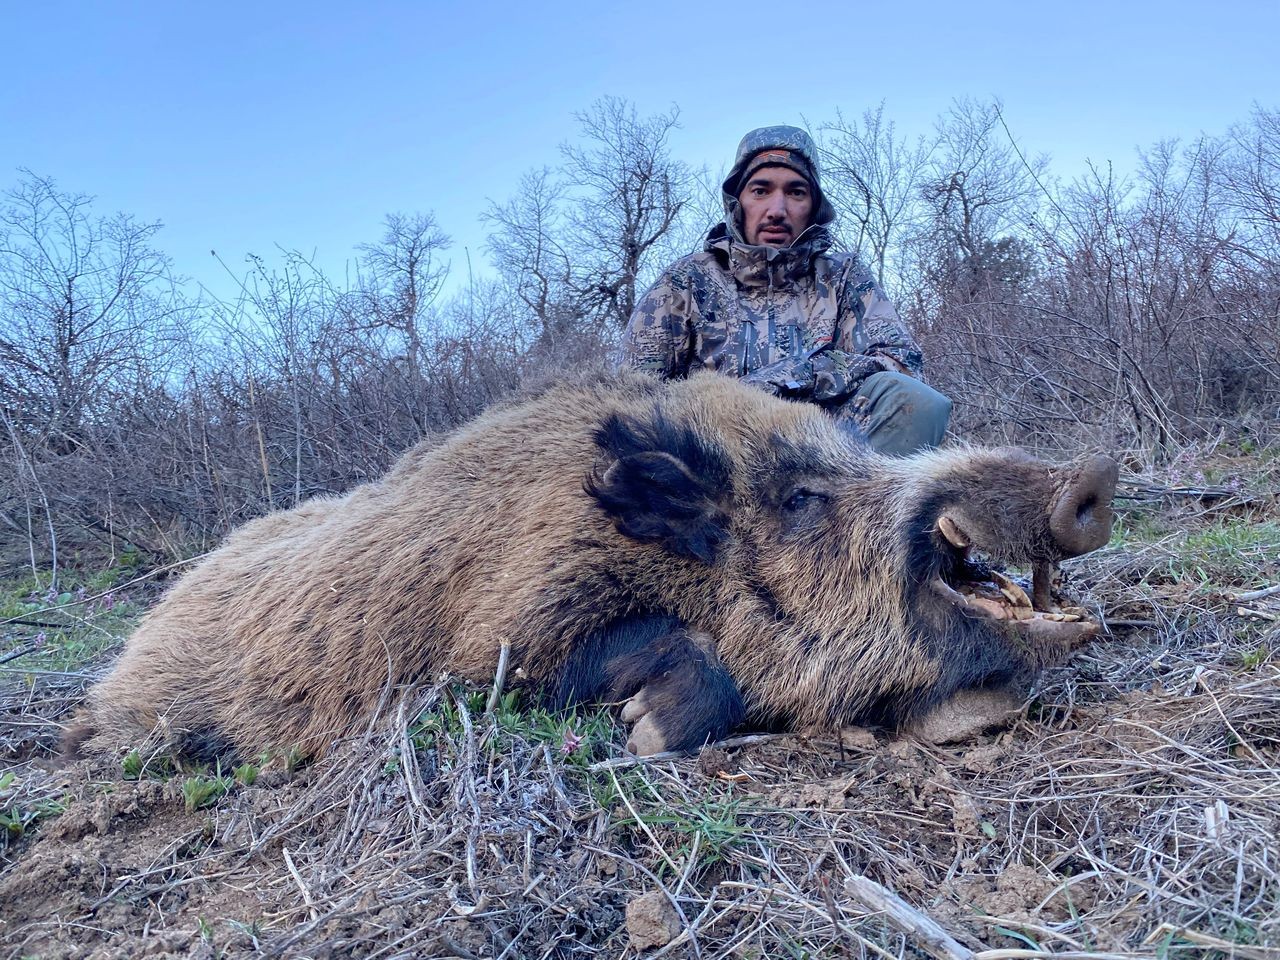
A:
1082,517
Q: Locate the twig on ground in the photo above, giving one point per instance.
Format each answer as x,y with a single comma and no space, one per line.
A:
499,677
21,651
1251,595
297,878
925,932
1257,614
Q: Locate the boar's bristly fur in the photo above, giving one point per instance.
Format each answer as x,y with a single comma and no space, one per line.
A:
701,547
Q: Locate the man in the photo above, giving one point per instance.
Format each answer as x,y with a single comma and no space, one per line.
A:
766,302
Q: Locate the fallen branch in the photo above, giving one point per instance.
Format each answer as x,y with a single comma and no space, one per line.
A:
924,931
1153,491
927,934
297,878
22,651
1252,595
1258,614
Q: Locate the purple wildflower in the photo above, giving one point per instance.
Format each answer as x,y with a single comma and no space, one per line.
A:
571,742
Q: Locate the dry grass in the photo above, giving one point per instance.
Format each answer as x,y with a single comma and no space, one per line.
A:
1132,810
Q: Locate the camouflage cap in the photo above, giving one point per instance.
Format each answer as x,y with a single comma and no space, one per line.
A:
781,146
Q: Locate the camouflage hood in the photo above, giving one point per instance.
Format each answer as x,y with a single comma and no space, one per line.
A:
801,155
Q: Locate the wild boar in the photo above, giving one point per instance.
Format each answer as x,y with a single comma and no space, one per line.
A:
713,553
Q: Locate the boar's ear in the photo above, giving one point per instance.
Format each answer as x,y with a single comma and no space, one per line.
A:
664,485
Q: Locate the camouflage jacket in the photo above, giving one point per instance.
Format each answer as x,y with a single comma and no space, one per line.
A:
797,320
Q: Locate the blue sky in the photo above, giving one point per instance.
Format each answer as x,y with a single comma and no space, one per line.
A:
246,126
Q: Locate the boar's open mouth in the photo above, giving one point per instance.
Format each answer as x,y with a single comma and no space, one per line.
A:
1079,519
983,593
989,594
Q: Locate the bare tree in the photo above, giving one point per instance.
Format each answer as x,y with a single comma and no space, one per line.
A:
527,242
1253,184
626,194
401,277
874,176
979,190
86,306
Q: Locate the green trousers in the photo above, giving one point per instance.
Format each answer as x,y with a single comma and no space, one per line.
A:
898,415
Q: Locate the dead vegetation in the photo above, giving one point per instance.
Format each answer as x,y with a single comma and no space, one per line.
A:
1131,808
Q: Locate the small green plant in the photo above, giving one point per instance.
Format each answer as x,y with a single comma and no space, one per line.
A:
392,765
200,791
1137,524
710,827
131,766
1255,657
12,822
70,625
15,819
1232,552
1015,935
294,760
206,930
246,774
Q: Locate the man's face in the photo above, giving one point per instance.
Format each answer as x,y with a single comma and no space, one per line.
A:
776,205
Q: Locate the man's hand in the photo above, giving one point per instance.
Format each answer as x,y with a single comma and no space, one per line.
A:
890,364
783,378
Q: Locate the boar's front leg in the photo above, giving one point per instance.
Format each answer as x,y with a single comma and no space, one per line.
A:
679,694
684,697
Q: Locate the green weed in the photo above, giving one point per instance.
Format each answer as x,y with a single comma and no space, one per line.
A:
1228,552
1015,935
578,738
206,930
156,766
201,791
72,625
131,766
1138,525
16,817
294,759
710,827
1256,657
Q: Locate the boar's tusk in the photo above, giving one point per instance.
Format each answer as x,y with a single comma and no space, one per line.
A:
971,606
1081,520
1011,591
955,536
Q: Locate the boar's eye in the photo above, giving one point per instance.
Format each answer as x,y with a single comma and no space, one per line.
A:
802,500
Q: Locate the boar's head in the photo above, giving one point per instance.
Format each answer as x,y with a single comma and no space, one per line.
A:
836,584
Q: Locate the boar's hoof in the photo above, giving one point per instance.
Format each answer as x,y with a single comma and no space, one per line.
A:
646,736
683,695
